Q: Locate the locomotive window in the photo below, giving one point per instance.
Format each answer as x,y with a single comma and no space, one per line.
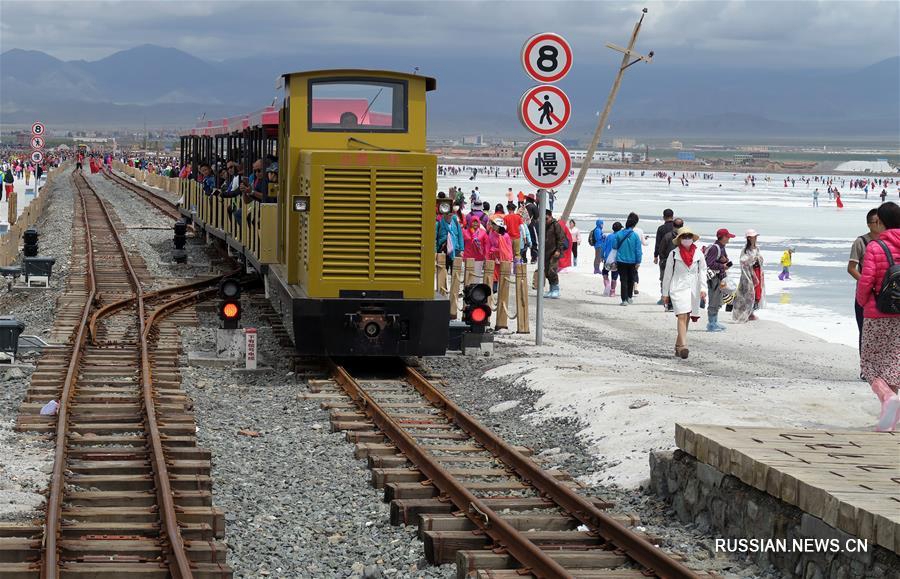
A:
357,105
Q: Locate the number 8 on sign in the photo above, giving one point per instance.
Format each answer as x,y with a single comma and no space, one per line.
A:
547,57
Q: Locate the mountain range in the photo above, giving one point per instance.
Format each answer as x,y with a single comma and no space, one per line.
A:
168,87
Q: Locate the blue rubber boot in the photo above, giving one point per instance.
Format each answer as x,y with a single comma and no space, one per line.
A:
713,324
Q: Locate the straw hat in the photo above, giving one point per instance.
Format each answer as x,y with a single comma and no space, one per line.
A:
681,232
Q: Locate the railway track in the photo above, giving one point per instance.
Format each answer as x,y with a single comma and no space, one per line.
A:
477,500
130,492
164,205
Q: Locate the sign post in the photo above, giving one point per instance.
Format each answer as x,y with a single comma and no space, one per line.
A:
627,54
250,348
542,236
545,110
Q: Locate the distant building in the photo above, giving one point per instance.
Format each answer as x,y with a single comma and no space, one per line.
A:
23,138
624,142
602,156
477,140
677,145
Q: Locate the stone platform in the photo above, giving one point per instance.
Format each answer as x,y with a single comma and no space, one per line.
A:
849,479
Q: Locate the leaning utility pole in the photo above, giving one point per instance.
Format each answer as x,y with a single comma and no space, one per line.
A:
627,54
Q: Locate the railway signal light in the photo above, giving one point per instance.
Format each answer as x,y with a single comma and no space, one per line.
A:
180,240
30,239
477,311
229,303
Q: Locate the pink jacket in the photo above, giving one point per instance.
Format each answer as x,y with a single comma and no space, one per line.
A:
475,243
875,265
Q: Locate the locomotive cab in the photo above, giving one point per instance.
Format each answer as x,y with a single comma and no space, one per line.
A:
355,271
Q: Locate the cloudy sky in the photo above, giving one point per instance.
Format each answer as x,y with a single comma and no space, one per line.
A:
736,34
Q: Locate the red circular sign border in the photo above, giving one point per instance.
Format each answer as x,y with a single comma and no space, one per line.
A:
562,148
43,128
523,116
547,36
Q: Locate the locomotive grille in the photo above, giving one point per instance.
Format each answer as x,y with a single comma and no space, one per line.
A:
372,224
398,224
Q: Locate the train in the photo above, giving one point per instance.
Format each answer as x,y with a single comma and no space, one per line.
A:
344,238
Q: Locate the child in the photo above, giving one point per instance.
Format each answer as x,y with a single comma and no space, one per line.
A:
786,264
609,287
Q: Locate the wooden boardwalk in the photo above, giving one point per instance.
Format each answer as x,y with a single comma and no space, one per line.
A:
849,479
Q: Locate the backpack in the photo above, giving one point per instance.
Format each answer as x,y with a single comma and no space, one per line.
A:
888,299
591,238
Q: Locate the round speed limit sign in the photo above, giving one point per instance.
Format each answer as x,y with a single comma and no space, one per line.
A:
37,129
547,57
37,156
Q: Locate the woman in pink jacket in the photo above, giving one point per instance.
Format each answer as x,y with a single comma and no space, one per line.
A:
475,241
880,356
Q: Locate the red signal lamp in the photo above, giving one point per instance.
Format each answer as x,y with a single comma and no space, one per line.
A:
479,314
231,310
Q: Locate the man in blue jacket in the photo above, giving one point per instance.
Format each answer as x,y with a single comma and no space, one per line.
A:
448,238
596,239
628,257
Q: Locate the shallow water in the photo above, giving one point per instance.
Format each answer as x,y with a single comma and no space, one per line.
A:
819,297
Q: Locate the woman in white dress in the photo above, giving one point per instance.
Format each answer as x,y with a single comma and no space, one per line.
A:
684,284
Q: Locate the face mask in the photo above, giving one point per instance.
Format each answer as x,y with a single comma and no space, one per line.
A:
686,242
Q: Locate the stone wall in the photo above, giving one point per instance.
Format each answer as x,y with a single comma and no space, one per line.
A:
729,509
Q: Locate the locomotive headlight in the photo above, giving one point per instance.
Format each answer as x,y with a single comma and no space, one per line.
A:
301,203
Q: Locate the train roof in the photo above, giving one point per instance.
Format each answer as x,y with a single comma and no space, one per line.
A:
263,117
430,82
269,115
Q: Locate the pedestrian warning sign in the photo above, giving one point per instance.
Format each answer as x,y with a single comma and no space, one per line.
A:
547,57
544,110
546,163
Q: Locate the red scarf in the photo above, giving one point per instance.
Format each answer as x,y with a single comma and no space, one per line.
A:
687,255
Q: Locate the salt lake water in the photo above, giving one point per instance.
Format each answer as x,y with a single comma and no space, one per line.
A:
819,297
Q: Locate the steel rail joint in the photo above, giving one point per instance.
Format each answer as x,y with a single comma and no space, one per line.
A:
500,531
638,548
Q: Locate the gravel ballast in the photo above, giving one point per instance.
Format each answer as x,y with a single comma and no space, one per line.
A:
25,462
297,503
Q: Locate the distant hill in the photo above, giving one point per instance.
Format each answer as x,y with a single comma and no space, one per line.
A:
169,87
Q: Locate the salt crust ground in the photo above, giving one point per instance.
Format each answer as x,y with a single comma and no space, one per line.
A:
601,362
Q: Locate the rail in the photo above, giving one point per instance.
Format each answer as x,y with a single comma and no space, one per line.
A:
179,565
532,558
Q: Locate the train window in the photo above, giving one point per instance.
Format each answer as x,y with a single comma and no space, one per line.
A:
357,105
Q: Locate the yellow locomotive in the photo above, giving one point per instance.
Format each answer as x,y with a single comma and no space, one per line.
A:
345,239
